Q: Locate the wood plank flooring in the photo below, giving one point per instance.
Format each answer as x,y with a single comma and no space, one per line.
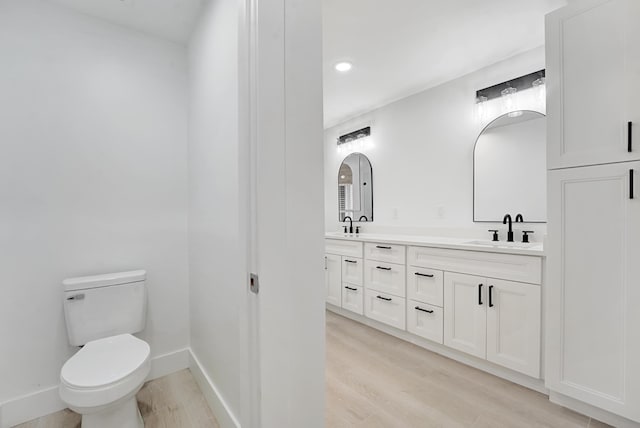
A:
173,401
376,380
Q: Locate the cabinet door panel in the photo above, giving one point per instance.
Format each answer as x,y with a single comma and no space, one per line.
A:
592,295
385,277
425,285
425,320
353,298
352,269
513,326
386,308
465,314
390,253
591,49
333,279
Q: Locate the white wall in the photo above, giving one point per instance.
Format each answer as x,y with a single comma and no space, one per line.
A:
217,258
421,151
93,179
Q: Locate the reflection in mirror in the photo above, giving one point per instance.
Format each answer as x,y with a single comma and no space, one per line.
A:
510,168
355,188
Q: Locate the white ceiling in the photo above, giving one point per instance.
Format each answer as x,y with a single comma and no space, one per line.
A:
168,19
401,47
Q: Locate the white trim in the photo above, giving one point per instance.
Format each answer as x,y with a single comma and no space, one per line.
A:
165,364
510,375
212,394
591,411
46,401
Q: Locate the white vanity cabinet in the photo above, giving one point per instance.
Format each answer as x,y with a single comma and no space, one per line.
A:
494,319
593,82
344,268
482,303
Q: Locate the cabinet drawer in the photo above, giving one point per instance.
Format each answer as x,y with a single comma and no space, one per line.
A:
353,298
385,277
425,320
385,252
493,265
385,308
352,269
343,248
425,285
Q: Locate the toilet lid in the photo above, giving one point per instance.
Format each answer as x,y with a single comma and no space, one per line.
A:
105,361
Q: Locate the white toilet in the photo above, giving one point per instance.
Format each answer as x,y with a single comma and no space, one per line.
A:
101,380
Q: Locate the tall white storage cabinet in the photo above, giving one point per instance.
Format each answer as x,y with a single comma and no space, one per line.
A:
593,248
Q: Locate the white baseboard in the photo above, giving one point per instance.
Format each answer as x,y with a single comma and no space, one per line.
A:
171,362
591,411
46,401
216,401
30,406
504,373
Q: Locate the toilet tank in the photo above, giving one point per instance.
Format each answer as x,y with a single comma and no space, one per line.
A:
100,306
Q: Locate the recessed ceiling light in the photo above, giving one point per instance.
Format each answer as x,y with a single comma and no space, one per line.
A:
343,66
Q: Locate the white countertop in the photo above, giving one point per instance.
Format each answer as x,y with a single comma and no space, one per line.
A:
532,249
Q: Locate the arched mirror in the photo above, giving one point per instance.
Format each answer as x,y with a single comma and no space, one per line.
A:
510,169
355,188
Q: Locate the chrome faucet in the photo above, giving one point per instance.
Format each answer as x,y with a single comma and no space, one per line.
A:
507,218
350,224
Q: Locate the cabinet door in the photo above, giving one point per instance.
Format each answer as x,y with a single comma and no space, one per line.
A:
593,82
352,269
333,279
465,318
593,292
513,326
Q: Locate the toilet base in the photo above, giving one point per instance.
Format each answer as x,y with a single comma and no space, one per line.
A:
123,415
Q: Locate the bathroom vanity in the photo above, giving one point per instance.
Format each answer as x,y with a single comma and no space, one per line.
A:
457,297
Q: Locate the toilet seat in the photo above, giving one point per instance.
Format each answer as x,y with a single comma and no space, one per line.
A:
104,371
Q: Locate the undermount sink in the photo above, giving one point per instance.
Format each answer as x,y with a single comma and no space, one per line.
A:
503,244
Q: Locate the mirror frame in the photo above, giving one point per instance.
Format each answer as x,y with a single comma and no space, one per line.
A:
371,183
473,212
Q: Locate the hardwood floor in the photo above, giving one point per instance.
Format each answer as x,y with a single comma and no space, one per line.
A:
169,402
376,380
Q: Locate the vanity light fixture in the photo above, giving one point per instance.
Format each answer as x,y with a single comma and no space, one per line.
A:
343,66
355,135
512,96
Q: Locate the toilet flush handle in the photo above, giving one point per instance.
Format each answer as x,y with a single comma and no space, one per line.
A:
76,297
